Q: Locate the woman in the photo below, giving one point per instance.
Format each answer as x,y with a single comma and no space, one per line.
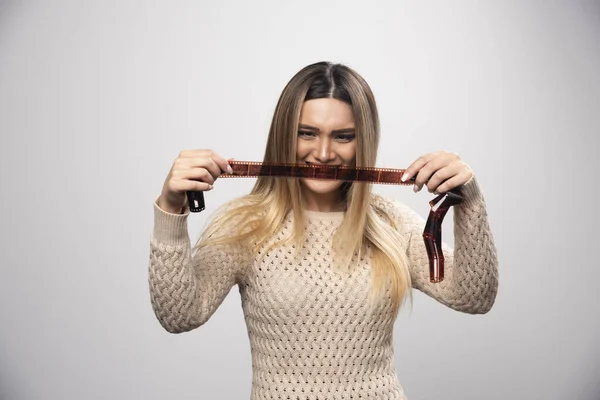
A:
322,266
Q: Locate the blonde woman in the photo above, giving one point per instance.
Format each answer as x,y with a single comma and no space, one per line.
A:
323,267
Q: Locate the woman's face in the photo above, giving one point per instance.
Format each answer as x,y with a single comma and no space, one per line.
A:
326,135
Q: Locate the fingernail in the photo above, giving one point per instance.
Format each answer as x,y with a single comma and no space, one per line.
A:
404,177
229,169
415,188
210,187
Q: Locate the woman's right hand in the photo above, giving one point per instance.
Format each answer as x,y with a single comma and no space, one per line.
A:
192,170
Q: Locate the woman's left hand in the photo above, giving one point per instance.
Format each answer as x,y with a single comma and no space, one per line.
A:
440,171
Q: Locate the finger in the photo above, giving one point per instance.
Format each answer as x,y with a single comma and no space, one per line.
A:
440,176
198,154
449,167
200,174
183,185
189,168
455,168
221,162
426,173
211,165
195,153
416,166
453,182
207,163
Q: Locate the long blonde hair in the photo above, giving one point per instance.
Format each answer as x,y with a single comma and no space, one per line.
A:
259,215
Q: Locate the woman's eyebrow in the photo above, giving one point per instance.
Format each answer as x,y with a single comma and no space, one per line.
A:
315,129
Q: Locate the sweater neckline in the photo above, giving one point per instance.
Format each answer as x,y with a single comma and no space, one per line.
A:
324,215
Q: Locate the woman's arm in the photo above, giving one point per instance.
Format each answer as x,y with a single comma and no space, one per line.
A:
471,268
186,291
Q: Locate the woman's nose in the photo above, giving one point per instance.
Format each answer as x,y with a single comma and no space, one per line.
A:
323,151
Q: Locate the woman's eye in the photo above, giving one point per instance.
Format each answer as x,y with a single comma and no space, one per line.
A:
306,133
345,138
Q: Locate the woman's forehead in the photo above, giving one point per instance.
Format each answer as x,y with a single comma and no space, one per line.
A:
326,113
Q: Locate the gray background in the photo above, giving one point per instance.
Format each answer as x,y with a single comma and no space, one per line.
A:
98,98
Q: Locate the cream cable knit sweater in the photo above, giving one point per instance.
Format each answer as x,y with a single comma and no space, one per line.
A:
312,334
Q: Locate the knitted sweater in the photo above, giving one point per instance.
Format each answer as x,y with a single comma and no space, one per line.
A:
312,332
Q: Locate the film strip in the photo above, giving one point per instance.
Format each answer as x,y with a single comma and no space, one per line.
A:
312,171
432,234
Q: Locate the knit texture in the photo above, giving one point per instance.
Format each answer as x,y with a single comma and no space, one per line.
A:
314,332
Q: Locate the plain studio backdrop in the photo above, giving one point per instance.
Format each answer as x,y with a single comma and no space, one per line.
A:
98,98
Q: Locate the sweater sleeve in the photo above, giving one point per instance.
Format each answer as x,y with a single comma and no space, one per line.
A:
470,280
186,289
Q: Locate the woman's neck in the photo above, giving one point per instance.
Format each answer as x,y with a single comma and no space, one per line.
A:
326,202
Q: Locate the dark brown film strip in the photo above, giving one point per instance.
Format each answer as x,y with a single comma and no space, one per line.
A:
312,171
432,235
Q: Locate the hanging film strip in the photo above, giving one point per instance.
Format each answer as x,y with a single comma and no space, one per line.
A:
432,234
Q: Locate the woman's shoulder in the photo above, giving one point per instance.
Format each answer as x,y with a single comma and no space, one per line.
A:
228,216
390,206
237,205
397,213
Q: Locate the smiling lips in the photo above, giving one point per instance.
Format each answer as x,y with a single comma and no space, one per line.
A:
326,165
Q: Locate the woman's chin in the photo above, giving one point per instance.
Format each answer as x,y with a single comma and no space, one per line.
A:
321,187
